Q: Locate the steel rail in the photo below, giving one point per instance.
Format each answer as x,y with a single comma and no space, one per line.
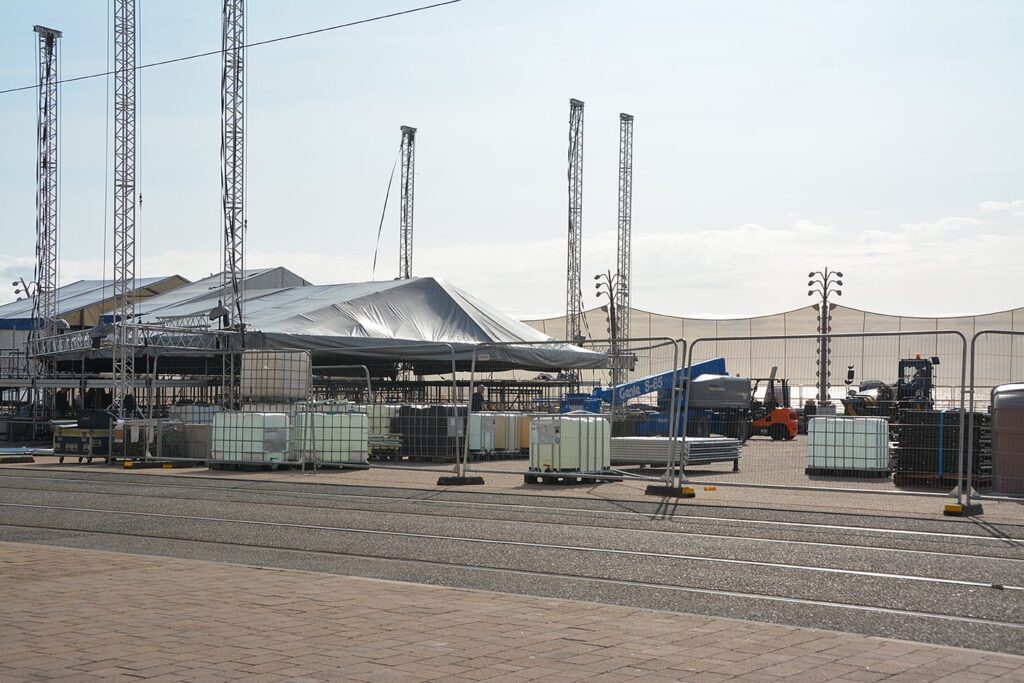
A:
516,544
623,513
482,517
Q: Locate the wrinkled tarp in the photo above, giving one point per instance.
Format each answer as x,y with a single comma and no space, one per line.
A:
17,315
422,320
412,319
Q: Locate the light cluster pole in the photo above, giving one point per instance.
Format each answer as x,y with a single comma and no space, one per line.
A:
609,285
824,283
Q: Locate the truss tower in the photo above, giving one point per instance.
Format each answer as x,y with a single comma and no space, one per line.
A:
573,291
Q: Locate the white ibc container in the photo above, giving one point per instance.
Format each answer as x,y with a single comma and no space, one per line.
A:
848,443
193,414
506,432
570,443
331,406
481,432
332,437
276,374
380,416
250,437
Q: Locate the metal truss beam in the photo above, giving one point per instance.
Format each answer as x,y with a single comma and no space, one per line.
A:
124,198
573,291
233,160
625,241
408,155
44,305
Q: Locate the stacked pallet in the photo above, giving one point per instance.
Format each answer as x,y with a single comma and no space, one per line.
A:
927,449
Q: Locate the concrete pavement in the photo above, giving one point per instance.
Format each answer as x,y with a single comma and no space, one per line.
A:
84,615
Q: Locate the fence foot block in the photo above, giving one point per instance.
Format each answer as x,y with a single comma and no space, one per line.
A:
460,481
14,459
966,510
670,491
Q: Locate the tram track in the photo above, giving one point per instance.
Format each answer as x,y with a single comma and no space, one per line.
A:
1000,535
931,584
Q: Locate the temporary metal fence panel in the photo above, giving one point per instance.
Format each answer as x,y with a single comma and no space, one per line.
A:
411,414
880,429
577,426
995,447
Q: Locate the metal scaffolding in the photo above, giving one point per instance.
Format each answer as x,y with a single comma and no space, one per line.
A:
44,305
124,200
408,155
573,292
232,150
623,254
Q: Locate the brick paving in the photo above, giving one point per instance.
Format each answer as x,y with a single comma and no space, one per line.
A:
85,615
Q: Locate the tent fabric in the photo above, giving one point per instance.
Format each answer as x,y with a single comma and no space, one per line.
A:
82,294
414,319
202,295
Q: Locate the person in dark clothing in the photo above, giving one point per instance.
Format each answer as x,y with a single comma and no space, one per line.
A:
478,398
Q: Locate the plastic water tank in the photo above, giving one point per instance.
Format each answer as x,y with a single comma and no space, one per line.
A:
1008,438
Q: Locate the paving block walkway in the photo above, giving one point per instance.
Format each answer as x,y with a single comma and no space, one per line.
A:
85,615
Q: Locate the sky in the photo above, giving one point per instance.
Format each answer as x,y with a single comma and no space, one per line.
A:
879,138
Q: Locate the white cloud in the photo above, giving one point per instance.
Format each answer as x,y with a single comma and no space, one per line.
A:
1017,206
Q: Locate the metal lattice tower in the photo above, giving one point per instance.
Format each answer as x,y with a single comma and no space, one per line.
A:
44,306
124,199
625,242
573,292
408,155
233,160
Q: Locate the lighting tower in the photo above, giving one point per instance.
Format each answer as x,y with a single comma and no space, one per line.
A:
824,283
573,293
44,306
232,149
624,255
408,155
124,200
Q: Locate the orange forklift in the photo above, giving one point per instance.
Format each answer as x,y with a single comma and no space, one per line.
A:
772,415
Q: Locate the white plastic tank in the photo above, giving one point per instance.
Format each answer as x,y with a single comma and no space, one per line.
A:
848,443
250,437
332,438
506,432
570,443
276,374
380,416
481,432
192,413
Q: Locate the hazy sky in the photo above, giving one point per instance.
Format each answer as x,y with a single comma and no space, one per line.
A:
772,138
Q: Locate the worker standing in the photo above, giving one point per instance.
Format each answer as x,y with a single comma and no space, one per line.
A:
478,398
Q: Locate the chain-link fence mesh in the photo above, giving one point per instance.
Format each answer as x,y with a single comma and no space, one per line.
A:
995,450
888,419
568,425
